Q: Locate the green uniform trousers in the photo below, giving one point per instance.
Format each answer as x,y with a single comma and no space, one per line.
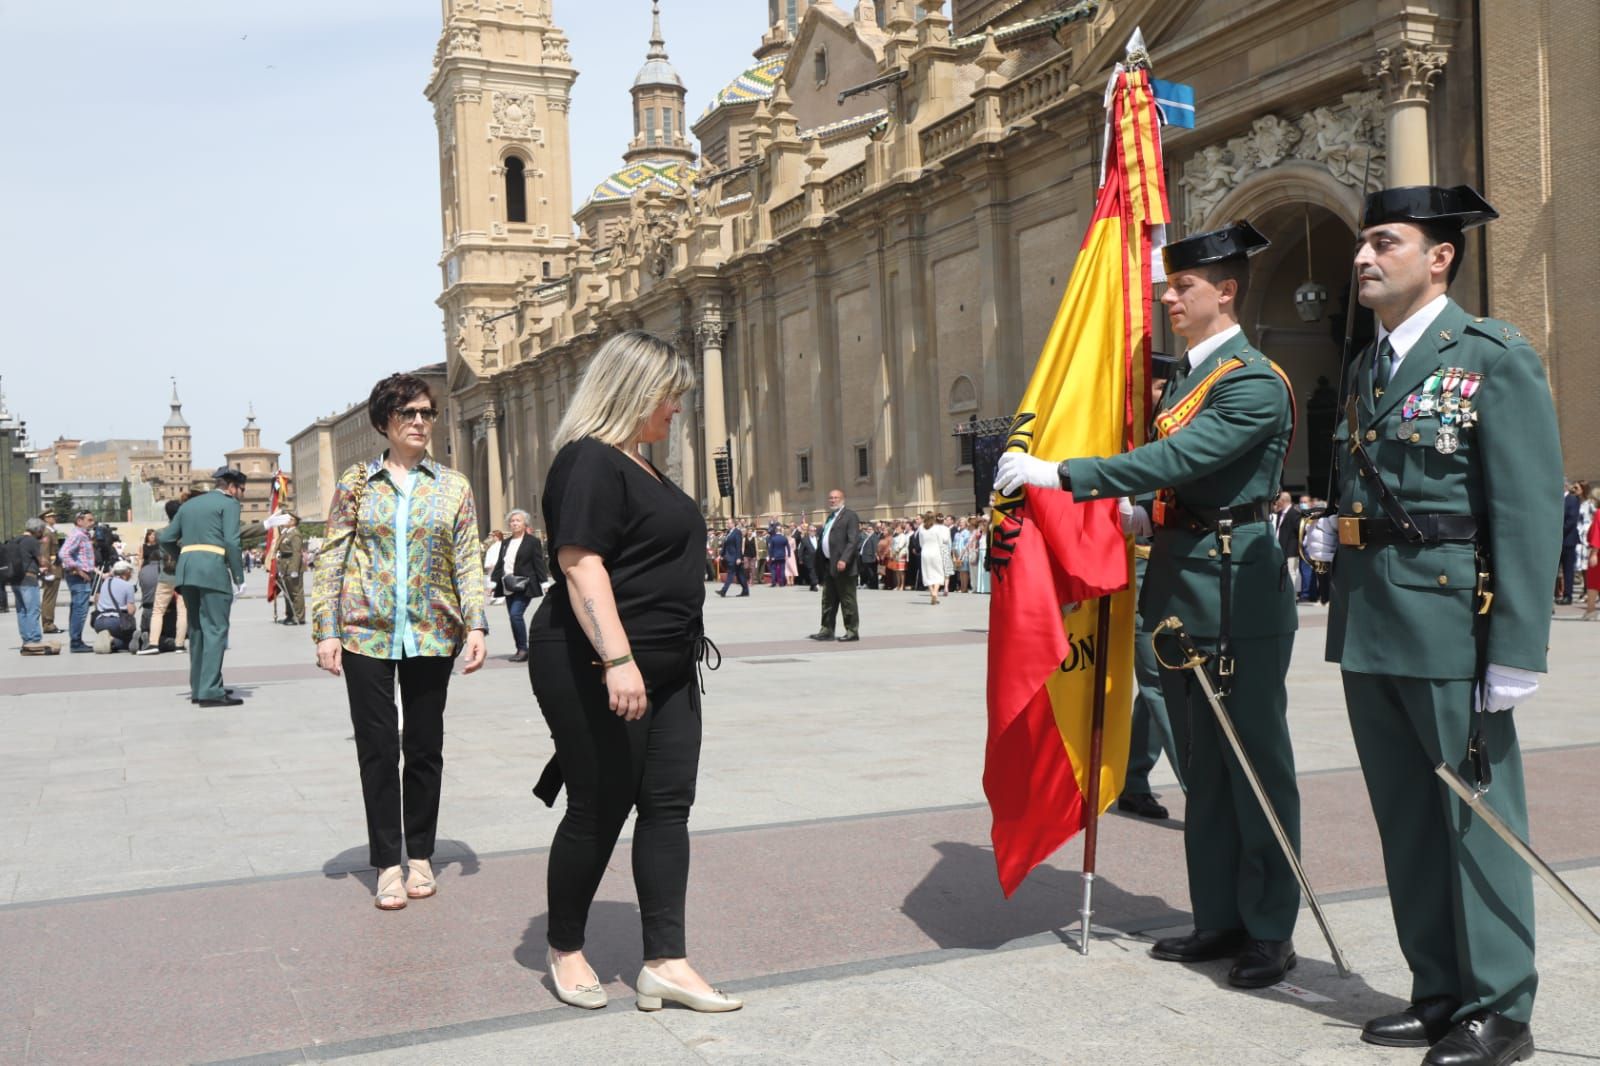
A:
838,591
1150,732
1238,877
208,639
1462,900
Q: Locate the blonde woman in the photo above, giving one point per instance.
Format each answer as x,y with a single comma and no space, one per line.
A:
398,592
613,654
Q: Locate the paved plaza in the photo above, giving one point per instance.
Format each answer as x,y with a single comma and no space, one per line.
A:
188,885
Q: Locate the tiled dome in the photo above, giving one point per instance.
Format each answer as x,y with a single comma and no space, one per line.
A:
756,83
668,175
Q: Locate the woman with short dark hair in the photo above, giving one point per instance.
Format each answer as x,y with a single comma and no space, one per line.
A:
399,591
614,650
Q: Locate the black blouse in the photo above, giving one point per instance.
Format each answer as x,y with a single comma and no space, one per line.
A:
649,533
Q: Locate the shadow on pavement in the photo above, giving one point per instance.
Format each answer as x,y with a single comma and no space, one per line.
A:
611,942
1354,1001
958,904
446,853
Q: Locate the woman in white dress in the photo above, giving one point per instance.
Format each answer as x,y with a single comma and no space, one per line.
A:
935,541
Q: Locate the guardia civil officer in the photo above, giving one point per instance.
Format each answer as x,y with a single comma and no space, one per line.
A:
291,552
1448,468
204,535
1223,427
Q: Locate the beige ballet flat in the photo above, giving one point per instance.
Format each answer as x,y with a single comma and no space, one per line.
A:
653,989
589,997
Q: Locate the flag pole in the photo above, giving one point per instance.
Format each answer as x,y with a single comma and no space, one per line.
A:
1091,838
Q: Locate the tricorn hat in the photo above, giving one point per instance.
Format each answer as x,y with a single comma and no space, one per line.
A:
1238,241
230,475
1460,207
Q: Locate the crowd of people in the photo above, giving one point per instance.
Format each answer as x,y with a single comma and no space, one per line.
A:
936,553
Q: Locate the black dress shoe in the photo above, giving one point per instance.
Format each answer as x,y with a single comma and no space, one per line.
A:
225,692
226,701
1141,803
1485,1039
824,635
1202,945
722,592
1419,1025
520,657
1262,963
848,637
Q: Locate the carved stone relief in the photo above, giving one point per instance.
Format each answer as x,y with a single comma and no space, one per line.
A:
513,117
1406,74
1341,137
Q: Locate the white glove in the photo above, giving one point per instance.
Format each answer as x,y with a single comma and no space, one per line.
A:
1321,540
1017,469
1135,520
238,590
1506,687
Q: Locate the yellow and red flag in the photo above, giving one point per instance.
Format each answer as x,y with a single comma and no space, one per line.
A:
1089,397
279,502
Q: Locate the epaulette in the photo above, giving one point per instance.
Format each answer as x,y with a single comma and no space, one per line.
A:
1502,333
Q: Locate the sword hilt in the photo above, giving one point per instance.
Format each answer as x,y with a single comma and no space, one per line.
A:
1192,655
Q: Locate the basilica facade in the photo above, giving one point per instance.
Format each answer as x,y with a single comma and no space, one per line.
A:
865,237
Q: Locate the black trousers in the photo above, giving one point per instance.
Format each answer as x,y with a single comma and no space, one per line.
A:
399,803
611,767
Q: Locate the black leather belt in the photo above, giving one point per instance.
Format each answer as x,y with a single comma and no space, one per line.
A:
1357,532
1206,519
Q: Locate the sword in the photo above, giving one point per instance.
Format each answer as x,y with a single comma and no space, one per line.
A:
1473,797
1194,659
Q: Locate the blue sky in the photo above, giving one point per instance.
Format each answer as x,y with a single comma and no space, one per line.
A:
245,196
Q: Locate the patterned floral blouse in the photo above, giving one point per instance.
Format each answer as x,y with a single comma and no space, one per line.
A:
354,592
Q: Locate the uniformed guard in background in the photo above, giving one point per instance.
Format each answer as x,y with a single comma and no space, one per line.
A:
1443,547
290,549
205,536
1223,429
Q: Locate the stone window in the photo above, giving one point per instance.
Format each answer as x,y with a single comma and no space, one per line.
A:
516,190
863,460
819,64
963,395
649,125
803,467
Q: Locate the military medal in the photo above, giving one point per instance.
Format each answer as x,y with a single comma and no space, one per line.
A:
1469,417
1446,442
1405,430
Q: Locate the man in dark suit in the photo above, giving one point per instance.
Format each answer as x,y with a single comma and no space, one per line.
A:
1571,512
1286,523
805,553
838,546
869,556
733,560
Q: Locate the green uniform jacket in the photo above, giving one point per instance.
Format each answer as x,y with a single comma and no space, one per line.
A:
211,518
290,550
1409,610
1230,454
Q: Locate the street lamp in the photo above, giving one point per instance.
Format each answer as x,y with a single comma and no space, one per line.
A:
1311,297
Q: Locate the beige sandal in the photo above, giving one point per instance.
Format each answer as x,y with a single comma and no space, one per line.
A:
391,890
424,886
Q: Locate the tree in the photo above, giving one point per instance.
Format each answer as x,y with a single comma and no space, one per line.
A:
63,505
125,504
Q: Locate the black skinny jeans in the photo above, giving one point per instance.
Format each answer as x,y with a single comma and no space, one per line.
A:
393,807
611,767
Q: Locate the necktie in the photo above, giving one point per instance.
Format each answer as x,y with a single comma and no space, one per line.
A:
1383,366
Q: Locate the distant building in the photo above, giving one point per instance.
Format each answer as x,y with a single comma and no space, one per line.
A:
260,465
327,447
19,482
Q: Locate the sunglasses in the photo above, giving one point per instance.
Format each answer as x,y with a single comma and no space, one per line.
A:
411,414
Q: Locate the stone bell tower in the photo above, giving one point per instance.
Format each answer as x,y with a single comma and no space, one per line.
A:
501,85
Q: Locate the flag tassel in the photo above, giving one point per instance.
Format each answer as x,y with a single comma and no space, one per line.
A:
1091,837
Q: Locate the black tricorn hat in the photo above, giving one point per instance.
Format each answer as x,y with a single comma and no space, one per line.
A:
1238,241
229,474
1460,207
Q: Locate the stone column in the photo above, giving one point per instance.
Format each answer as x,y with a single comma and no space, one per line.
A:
1406,74
497,488
709,332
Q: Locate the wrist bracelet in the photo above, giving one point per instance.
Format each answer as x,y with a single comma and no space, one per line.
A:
618,661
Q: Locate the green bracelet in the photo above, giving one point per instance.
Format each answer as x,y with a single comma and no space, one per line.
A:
618,661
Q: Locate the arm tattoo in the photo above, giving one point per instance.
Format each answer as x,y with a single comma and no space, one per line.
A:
599,639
